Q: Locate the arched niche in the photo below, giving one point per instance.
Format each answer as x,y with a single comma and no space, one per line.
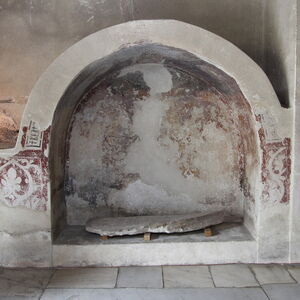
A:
232,79
152,130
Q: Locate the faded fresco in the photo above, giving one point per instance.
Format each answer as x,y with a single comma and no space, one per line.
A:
152,138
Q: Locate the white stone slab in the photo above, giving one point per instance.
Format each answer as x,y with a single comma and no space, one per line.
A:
84,278
267,274
118,226
187,277
233,276
295,272
157,294
140,277
282,291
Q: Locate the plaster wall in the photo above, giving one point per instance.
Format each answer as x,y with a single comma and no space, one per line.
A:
280,48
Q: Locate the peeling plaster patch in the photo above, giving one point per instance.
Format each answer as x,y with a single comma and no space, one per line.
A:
156,76
139,198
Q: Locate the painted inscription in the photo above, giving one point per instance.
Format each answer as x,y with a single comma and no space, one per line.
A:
34,136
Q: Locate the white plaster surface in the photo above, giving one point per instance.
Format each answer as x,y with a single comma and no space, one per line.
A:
84,278
25,238
140,277
187,276
274,222
295,219
25,250
233,276
295,222
271,274
32,220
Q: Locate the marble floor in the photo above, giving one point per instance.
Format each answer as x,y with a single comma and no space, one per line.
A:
224,282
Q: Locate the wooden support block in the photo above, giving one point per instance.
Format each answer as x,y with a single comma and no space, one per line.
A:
208,232
147,236
103,237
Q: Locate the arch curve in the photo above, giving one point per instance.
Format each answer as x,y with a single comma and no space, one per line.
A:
252,81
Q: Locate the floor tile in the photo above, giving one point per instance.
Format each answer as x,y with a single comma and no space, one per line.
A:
84,278
37,278
140,277
233,276
157,294
268,274
27,283
282,291
13,290
295,272
187,277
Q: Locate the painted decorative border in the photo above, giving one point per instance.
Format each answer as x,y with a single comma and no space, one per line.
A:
276,167
24,176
